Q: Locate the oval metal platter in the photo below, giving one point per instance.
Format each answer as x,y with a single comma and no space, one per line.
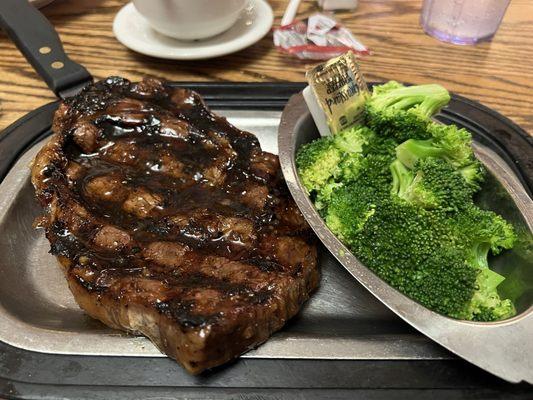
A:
503,348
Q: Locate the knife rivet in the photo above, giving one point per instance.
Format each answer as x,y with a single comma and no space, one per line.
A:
57,65
45,50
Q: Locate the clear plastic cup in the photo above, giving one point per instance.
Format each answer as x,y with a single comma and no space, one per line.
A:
462,21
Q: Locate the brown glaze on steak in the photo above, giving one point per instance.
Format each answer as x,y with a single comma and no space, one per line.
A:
171,222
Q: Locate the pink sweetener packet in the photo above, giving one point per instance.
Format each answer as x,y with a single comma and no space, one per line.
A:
318,37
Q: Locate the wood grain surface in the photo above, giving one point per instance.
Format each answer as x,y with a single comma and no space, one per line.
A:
498,74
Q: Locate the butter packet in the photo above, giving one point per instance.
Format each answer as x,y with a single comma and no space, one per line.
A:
340,90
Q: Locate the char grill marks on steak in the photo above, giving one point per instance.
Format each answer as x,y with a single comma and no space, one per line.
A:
171,222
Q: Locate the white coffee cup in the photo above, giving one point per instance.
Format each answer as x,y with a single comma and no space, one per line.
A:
190,19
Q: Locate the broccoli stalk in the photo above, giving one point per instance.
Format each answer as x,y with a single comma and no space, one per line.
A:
403,112
402,178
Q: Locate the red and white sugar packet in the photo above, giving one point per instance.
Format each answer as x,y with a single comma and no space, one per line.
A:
319,37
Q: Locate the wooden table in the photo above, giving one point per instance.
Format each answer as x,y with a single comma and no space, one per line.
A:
497,74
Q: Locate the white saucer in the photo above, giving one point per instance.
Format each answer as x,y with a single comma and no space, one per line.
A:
133,31
40,3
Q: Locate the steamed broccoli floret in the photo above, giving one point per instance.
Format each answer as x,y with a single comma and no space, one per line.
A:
352,140
407,247
351,204
448,143
486,304
317,162
481,231
320,160
403,112
473,174
348,211
431,184
375,173
323,196
476,232
350,167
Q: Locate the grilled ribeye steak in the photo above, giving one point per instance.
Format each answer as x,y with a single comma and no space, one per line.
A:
171,222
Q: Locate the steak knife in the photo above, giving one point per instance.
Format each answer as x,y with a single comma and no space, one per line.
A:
38,41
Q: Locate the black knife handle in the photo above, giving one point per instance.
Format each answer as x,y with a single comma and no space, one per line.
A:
38,41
